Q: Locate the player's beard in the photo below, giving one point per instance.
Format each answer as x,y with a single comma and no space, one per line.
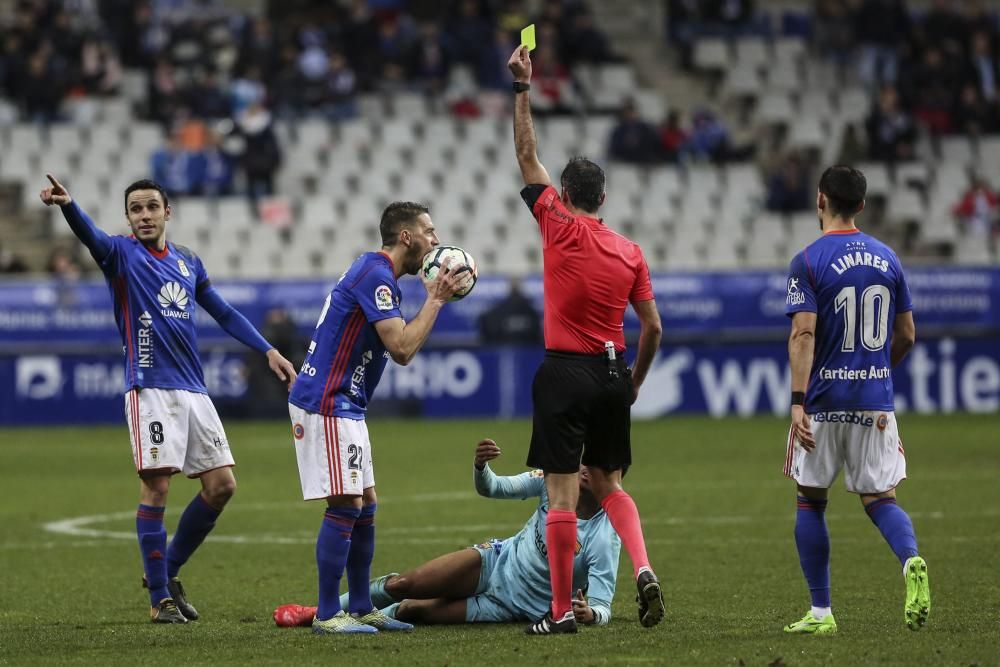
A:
412,260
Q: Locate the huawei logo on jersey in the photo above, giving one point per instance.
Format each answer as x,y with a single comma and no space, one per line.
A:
173,294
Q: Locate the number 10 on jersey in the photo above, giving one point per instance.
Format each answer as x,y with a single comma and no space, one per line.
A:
873,314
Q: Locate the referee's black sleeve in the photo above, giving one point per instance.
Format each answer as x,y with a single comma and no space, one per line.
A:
531,193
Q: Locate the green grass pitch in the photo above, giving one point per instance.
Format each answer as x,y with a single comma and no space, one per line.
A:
718,519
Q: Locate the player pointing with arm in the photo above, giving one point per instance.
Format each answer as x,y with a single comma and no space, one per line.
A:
852,321
583,392
172,423
501,580
359,328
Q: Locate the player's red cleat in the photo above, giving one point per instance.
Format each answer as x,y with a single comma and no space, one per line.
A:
294,616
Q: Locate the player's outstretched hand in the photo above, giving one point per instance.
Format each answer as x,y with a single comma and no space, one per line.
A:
520,64
57,194
581,610
447,282
282,367
802,428
486,450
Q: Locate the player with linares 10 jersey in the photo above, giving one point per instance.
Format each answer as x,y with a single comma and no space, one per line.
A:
359,328
172,423
852,322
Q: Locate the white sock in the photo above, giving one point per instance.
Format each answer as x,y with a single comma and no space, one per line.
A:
819,613
644,569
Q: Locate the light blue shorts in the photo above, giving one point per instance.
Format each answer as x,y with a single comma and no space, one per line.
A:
484,606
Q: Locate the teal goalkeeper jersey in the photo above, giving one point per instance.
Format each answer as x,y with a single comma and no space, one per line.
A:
522,568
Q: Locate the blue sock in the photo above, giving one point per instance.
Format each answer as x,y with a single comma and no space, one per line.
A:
896,527
153,544
196,522
332,546
813,543
359,561
376,589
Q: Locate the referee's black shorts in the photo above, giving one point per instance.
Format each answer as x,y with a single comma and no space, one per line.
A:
581,414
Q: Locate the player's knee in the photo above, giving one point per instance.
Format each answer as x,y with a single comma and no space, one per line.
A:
219,493
398,587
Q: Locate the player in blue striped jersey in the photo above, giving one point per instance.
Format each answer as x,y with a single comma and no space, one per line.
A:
172,423
359,329
852,322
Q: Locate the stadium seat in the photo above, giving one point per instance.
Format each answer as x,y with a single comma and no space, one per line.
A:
767,240
711,54
775,109
905,205
752,51
957,150
743,80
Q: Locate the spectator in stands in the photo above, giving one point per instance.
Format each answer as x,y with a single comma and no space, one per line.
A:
41,88
65,271
216,168
492,71
259,49
891,132
585,43
983,69
979,209
396,44
788,190
834,28
261,155
708,140
341,87
177,168
973,115
852,148
880,27
469,32
206,97
683,28
279,329
634,139
430,66
11,262
552,81
672,136
514,320
931,87
100,67
247,90
163,88
943,28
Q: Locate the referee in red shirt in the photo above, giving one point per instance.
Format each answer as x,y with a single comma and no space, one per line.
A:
583,391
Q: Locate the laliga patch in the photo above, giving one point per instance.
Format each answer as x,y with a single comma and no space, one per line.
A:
882,422
184,269
298,431
383,298
537,473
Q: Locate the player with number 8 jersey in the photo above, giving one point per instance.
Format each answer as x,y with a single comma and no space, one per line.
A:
852,322
172,423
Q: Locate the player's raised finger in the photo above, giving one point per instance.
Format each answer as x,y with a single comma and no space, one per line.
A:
54,182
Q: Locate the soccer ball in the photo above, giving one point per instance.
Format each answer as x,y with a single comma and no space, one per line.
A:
459,258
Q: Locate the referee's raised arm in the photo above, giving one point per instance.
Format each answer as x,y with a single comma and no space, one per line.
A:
525,144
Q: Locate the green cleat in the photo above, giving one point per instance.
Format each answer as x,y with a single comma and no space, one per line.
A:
383,622
918,593
342,623
810,625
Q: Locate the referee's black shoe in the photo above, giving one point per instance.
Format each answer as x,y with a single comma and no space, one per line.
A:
650,599
547,626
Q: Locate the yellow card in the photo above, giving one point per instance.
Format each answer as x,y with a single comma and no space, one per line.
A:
528,37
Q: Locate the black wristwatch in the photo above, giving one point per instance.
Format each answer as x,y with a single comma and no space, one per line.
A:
520,87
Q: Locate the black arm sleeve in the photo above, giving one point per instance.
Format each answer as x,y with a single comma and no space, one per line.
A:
531,193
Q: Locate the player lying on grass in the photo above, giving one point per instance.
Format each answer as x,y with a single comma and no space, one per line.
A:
500,580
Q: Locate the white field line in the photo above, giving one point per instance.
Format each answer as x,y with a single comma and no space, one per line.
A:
86,527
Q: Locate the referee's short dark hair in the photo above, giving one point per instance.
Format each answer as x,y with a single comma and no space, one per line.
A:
146,184
397,215
583,181
844,188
